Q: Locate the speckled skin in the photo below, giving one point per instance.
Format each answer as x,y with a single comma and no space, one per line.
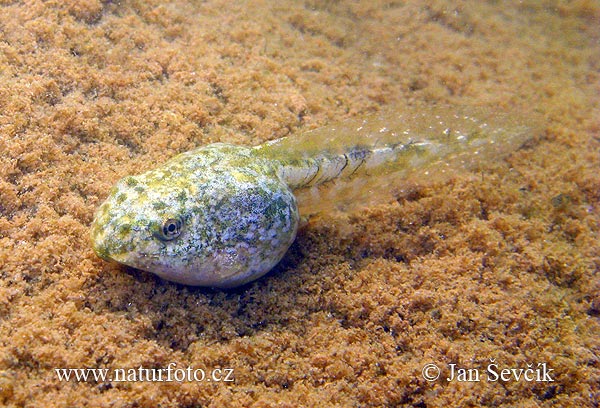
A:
238,218
220,215
224,215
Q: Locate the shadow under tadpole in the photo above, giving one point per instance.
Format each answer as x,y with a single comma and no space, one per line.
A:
181,315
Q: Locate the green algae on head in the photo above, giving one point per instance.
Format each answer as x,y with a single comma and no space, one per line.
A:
224,215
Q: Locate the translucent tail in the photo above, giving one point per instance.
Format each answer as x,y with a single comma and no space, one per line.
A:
421,143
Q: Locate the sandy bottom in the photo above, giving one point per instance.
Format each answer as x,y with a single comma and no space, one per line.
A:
500,266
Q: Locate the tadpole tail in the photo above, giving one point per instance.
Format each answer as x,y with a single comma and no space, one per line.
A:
366,158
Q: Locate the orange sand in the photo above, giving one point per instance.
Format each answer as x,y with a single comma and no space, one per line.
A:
502,265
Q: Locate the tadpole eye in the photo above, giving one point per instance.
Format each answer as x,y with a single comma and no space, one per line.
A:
170,229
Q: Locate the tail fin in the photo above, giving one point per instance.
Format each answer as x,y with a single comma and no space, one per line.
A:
422,143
